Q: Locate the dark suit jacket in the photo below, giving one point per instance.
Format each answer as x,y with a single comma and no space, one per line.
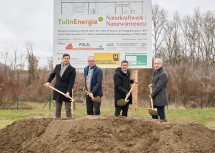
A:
64,83
96,80
159,88
122,84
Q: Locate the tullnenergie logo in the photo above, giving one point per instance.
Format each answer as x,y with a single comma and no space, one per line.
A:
88,22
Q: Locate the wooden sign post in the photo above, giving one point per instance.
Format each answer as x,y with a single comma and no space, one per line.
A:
134,75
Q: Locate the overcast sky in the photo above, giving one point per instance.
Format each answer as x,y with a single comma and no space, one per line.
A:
32,20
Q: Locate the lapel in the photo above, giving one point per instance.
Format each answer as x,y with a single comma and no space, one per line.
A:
125,74
66,71
157,74
58,70
94,71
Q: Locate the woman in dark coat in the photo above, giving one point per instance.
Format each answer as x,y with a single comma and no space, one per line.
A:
122,84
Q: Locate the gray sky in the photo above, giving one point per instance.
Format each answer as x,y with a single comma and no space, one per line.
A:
32,20
185,7
27,20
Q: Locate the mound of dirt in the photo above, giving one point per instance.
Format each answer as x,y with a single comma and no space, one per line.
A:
105,135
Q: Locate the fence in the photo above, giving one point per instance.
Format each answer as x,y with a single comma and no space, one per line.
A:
201,101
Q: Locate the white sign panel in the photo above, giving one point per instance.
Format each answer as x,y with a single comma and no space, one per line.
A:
111,31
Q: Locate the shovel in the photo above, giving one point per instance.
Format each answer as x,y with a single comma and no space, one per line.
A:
95,99
123,102
152,110
72,100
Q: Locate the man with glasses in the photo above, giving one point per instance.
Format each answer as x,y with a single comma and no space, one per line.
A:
93,84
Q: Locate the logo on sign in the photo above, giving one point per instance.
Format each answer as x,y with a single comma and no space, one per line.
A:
115,57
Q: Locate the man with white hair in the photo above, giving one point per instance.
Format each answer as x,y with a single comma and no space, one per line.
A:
93,77
159,89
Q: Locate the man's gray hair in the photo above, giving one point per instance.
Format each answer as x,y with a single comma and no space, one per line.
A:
91,57
159,60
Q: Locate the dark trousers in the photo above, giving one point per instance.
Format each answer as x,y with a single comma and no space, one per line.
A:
124,110
93,108
59,106
161,113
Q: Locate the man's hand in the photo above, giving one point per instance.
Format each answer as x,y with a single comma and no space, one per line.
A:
47,84
84,89
67,95
150,85
135,81
91,95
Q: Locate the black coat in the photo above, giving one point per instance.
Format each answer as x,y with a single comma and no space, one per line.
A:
64,83
159,88
122,85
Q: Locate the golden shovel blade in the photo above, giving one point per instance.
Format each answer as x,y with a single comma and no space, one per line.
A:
122,102
96,99
153,111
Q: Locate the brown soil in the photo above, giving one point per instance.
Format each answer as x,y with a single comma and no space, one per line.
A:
105,135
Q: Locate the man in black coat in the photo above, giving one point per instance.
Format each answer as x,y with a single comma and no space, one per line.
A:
93,76
159,89
65,78
122,84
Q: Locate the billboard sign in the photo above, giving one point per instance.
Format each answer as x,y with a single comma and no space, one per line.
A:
110,30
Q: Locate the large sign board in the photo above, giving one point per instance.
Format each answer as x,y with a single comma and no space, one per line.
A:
109,30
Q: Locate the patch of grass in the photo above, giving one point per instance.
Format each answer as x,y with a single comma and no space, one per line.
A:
10,115
201,116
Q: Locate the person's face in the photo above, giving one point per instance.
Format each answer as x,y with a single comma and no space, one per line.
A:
157,65
124,66
66,60
91,62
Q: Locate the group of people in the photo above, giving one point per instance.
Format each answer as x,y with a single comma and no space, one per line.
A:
65,75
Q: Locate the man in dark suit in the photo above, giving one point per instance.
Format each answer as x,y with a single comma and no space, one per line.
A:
159,89
93,84
122,84
65,78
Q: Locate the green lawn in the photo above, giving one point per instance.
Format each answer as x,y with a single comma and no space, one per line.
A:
204,116
10,115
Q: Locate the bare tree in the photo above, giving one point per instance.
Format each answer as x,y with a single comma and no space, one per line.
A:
5,58
172,40
32,63
159,18
191,30
208,39
50,63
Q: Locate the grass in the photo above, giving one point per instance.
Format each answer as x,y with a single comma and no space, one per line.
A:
8,116
205,117
201,116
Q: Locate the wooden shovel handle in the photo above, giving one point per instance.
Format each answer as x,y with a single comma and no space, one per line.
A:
126,98
60,92
150,89
88,93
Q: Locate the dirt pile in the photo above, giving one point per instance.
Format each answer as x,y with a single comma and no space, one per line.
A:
105,135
